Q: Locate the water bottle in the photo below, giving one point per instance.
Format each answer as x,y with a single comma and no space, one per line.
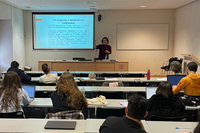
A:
148,74
83,91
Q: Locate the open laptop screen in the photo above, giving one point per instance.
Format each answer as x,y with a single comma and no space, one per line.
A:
54,72
30,90
150,91
174,79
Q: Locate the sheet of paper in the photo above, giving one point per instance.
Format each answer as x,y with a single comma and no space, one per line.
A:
124,104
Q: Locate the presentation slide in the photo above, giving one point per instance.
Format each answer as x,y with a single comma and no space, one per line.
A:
63,31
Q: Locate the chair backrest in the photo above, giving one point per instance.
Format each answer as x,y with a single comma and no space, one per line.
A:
72,114
18,114
158,118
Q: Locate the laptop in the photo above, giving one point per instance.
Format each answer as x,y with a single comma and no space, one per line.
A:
66,125
174,79
30,90
54,72
150,91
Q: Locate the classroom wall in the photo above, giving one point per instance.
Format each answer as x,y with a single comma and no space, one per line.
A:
18,36
139,60
5,11
187,30
6,47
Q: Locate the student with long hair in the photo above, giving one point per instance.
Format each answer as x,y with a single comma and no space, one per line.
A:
164,103
47,77
12,95
67,95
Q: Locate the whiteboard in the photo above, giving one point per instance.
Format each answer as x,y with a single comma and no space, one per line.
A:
142,36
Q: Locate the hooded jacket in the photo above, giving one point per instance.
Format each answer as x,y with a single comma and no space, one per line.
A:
23,76
190,85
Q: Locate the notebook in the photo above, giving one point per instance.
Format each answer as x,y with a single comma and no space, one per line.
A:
30,90
150,91
66,125
174,79
54,72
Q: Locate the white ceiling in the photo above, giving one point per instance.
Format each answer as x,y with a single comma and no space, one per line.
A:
100,5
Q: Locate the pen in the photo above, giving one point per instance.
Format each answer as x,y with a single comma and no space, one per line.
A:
181,128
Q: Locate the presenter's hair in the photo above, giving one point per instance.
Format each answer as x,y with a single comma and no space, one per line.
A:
137,106
14,64
45,68
192,66
175,66
9,91
105,38
67,88
164,89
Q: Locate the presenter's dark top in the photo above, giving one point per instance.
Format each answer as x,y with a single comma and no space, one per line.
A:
22,75
102,48
58,103
120,125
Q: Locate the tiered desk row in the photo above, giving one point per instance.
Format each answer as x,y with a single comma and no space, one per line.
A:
89,126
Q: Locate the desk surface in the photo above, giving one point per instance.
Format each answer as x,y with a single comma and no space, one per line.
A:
170,127
38,126
87,72
11,125
113,79
96,89
46,102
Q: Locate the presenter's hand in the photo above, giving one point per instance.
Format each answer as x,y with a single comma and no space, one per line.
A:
106,51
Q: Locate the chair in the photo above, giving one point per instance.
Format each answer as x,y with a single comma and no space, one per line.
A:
158,118
72,114
166,65
18,114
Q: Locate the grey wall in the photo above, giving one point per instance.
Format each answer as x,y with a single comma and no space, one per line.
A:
138,60
6,47
18,36
187,31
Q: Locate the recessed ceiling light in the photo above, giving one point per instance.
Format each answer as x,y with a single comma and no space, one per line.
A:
90,2
143,6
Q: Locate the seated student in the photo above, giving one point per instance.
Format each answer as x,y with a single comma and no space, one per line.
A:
12,95
164,103
67,95
47,77
191,83
23,76
131,123
175,66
